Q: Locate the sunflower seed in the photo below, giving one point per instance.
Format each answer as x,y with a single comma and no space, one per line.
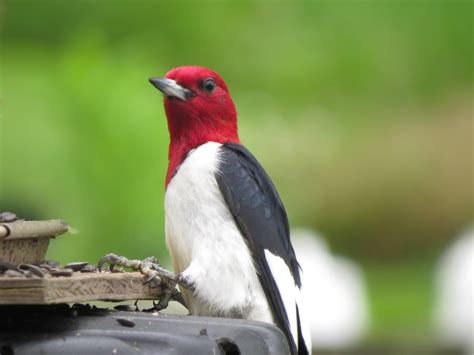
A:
62,272
126,322
78,266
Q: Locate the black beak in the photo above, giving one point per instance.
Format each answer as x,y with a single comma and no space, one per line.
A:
170,88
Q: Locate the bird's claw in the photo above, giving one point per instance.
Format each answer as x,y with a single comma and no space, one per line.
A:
113,260
110,259
153,273
170,292
151,276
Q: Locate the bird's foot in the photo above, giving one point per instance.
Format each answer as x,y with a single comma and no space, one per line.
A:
154,275
170,293
149,267
185,281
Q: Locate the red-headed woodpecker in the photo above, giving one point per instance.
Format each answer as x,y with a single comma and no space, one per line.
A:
226,227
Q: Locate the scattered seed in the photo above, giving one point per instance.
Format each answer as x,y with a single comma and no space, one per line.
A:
78,266
62,272
6,265
50,263
33,269
125,307
89,268
126,322
45,267
8,217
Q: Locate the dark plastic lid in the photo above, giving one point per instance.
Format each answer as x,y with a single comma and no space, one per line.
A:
81,329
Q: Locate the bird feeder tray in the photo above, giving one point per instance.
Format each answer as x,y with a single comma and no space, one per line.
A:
79,287
23,246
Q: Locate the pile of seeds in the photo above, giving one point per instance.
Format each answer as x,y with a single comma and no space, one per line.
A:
45,268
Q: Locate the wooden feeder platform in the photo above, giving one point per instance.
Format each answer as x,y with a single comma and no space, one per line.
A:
23,244
79,287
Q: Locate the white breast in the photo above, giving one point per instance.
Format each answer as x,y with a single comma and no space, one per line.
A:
206,245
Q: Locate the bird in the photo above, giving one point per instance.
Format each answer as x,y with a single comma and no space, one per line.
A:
226,227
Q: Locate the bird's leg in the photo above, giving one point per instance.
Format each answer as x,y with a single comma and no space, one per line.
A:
178,297
170,292
185,282
153,273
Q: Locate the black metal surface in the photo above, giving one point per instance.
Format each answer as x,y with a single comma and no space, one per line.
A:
81,329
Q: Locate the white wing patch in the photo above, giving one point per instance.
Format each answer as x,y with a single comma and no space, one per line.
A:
303,316
289,292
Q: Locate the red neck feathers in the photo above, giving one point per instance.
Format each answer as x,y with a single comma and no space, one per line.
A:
208,115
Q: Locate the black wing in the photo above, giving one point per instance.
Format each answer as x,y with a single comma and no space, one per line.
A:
262,220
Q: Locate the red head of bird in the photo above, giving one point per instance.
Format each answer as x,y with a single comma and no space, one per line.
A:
199,109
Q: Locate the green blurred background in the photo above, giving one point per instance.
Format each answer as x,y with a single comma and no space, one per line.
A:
361,111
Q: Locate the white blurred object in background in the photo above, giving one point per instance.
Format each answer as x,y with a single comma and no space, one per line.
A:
454,311
334,293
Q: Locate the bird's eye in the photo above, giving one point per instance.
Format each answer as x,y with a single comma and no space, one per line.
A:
209,85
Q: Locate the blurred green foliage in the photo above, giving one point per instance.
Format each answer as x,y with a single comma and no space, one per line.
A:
361,112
